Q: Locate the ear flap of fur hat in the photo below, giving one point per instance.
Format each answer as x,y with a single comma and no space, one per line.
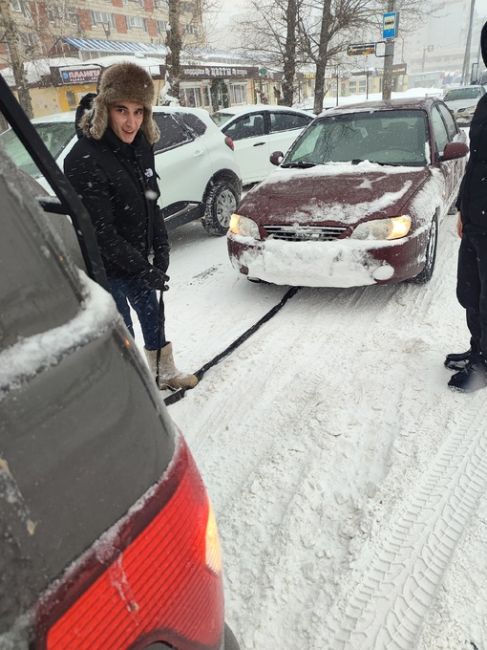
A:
118,83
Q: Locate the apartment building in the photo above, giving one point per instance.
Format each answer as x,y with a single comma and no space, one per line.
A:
44,25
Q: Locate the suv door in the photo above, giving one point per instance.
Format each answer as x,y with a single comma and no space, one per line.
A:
180,156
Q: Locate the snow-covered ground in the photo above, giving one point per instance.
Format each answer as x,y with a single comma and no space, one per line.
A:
347,479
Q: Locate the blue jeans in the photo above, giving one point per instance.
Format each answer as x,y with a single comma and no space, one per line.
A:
145,304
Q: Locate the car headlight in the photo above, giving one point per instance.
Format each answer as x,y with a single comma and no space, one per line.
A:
392,228
240,225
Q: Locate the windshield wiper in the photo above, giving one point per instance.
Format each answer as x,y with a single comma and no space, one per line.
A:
300,164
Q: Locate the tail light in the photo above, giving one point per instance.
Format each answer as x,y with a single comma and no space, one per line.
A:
229,142
155,576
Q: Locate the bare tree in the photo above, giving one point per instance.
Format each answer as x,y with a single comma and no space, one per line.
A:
270,34
11,37
174,44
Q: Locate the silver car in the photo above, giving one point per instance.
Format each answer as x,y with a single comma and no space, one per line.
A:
463,101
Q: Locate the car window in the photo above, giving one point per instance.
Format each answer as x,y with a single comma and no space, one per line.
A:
387,137
246,126
35,295
173,134
197,126
220,118
439,130
462,93
55,135
286,121
449,121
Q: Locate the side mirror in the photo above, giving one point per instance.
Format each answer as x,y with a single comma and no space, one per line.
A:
454,150
276,157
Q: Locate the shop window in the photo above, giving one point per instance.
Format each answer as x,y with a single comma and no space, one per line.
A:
238,93
192,97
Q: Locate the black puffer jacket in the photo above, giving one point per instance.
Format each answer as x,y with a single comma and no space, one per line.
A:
472,198
117,183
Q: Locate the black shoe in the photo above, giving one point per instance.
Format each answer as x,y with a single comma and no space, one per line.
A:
458,360
472,377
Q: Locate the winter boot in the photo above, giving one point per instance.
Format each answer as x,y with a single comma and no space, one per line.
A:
169,375
472,377
458,360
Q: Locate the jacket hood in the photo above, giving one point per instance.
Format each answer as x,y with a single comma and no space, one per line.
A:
483,43
317,197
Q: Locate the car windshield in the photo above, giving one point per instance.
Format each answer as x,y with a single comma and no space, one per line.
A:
220,118
462,93
386,137
55,136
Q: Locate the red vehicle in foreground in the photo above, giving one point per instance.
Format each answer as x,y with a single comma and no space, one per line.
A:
357,200
107,537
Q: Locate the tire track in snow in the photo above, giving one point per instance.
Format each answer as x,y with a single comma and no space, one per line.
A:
386,609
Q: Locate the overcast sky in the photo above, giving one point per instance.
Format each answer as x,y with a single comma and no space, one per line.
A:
224,19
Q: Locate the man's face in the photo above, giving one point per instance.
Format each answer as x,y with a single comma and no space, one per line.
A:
125,119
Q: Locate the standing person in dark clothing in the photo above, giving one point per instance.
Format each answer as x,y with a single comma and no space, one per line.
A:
472,257
112,169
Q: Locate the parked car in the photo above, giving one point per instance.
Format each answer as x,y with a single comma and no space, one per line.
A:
357,200
199,174
108,540
463,101
258,130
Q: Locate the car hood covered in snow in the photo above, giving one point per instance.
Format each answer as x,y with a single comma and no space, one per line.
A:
337,192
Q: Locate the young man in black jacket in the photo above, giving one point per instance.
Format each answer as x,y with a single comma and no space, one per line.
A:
112,169
472,256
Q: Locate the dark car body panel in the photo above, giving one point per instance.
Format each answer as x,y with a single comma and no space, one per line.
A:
74,427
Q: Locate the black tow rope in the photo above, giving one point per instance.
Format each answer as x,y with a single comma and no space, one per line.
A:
179,394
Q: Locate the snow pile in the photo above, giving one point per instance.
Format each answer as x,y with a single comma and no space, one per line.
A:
316,264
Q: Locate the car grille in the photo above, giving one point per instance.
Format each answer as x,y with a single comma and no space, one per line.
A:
305,233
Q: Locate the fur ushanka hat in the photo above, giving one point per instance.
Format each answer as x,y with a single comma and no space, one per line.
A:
121,82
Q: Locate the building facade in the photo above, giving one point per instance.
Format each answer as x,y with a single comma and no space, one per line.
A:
43,24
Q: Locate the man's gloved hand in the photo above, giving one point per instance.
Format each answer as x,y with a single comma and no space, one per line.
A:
155,279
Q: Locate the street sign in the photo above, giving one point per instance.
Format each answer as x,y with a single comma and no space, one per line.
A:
399,68
361,49
390,24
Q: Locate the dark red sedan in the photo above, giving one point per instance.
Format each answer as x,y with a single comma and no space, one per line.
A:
357,200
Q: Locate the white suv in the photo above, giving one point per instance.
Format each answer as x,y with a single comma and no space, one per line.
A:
199,176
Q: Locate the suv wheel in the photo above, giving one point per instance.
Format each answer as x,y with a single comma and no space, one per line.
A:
221,202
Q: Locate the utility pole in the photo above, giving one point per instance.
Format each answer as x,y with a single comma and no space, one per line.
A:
10,37
466,58
388,61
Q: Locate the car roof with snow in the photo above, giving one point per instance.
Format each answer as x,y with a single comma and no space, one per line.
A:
407,103
69,116
254,108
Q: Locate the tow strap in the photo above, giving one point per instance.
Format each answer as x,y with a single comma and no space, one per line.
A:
179,394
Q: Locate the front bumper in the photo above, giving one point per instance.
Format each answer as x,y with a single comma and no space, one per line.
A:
341,263
463,119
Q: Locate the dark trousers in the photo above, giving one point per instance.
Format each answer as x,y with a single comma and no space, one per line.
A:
472,287
144,301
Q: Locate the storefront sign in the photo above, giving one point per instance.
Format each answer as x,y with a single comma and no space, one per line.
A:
79,75
217,72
